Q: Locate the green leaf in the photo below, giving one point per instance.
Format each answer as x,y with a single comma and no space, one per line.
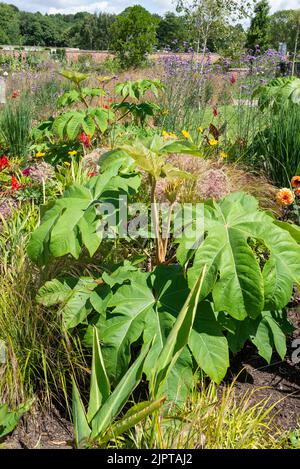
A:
263,340
208,345
69,97
75,306
116,159
135,415
61,122
53,292
278,335
131,305
243,331
116,401
92,92
294,230
178,337
234,276
75,77
182,146
100,386
82,430
74,125
101,117
10,419
73,221
88,126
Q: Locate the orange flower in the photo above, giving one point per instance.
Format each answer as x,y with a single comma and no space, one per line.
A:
285,197
295,181
297,191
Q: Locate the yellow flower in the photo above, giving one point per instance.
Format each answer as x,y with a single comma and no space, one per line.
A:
168,135
72,153
223,154
165,112
201,130
186,134
40,154
285,196
67,163
213,142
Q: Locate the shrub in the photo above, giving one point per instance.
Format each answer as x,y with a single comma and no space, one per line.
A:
242,296
134,35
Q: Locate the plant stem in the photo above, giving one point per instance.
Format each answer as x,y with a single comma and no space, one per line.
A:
159,246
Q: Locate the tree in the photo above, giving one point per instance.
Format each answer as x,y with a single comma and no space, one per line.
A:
259,31
172,32
133,35
283,28
9,24
230,40
31,29
207,18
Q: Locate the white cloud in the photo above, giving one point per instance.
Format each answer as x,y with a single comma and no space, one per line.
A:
73,6
284,5
159,6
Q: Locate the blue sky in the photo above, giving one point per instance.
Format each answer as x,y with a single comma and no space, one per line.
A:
116,6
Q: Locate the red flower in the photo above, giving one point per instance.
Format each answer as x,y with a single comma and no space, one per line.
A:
106,106
232,79
4,162
26,172
92,174
15,94
14,184
215,111
85,139
110,100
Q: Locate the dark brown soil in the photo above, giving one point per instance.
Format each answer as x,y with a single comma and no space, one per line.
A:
41,431
279,381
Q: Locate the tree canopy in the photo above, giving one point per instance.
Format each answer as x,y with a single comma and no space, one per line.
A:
200,24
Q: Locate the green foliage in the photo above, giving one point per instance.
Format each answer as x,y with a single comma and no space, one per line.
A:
283,28
259,31
239,299
91,119
133,36
98,424
150,155
275,147
139,88
177,339
9,24
140,109
279,92
214,418
72,221
172,32
234,277
10,419
39,357
15,127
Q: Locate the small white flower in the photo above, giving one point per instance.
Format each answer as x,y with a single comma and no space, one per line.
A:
5,74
